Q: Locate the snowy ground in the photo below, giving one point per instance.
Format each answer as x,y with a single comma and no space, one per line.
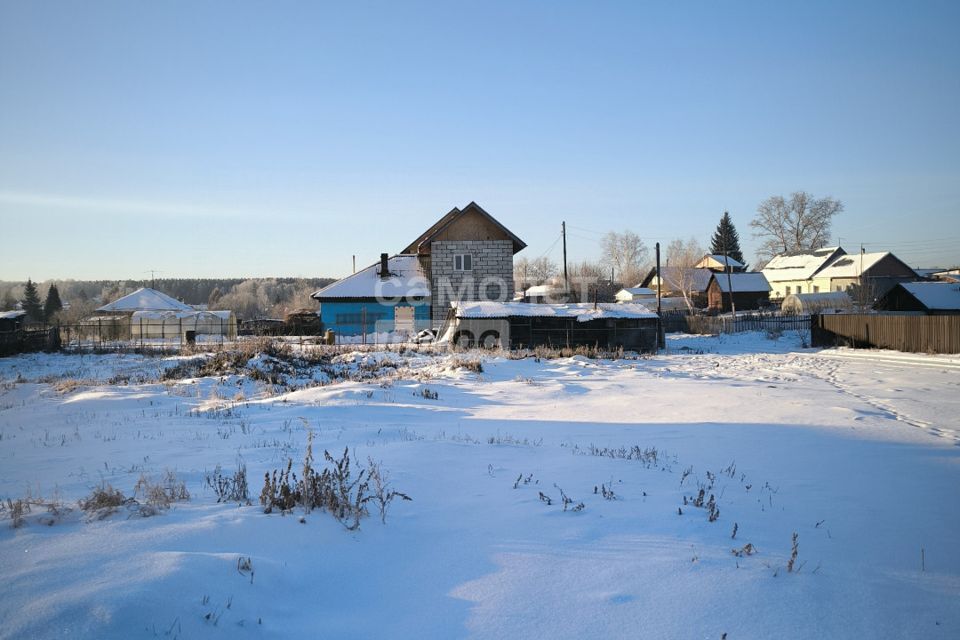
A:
855,452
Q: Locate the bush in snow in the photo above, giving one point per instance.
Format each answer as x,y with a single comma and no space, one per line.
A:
231,488
335,489
470,364
155,496
103,501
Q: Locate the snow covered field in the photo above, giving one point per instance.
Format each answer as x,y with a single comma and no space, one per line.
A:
854,452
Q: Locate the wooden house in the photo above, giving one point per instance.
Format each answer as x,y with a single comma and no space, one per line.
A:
751,291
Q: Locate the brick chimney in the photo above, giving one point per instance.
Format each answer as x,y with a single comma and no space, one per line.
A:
384,266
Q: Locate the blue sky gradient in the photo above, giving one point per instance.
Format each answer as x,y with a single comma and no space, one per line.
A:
256,139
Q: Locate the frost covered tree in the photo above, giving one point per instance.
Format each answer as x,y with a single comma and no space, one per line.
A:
625,253
681,256
31,302
798,223
9,301
52,304
727,240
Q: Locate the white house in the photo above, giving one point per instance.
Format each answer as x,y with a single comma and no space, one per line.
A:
794,272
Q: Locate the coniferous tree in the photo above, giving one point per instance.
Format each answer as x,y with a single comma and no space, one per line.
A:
52,304
31,302
726,239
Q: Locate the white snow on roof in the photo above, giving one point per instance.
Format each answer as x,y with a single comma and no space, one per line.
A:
720,261
935,295
406,280
638,291
852,265
145,299
798,266
742,282
582,311
543,290
11,315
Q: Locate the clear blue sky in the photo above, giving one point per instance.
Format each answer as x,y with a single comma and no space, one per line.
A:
280,138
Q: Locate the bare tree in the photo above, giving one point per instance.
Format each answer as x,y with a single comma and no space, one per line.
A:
537,271
625,253
800,223
589,281
682,255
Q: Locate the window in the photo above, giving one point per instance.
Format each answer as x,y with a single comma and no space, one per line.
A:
787,289
463,262
839,288
816,289
799,289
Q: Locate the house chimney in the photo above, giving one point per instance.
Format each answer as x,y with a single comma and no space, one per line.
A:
384,268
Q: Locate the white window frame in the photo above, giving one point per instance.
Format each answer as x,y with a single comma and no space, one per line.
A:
463,262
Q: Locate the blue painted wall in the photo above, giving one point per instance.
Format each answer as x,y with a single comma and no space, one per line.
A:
346,317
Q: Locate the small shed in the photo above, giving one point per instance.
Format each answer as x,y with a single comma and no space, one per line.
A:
750,291
926,298
11,320
643,295
630,326
548,292
303,322
809,303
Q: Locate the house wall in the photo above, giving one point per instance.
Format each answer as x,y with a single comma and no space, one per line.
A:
346,318
744,300
779,289
491,277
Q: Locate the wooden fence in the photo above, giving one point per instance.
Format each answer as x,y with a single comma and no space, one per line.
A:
673,322
27,340
916,334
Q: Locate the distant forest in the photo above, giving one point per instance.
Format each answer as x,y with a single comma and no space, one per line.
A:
247,297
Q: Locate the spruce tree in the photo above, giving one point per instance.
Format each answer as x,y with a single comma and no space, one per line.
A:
52,304
727,240
31,302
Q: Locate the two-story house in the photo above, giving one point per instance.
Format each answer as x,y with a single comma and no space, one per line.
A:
467,255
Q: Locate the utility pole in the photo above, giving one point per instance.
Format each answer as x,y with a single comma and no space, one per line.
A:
354,263
860,278
728,269
661,342
566,282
